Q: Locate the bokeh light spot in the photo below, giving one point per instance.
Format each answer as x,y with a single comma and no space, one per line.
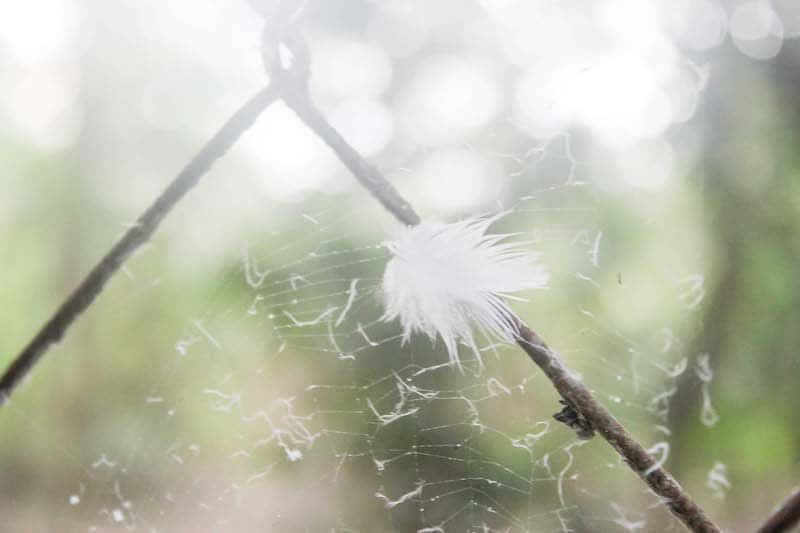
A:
457,179
447,99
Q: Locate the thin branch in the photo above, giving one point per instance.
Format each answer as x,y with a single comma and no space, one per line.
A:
137,235
369,176
785,517
574,392
578,396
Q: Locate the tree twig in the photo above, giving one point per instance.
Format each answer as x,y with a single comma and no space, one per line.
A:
784,517
369,176
635,455
574,392
137,235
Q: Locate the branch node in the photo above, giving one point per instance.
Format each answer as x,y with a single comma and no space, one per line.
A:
575,421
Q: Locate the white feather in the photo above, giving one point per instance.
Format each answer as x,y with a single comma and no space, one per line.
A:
450,281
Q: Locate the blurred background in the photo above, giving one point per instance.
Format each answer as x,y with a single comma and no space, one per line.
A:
235,376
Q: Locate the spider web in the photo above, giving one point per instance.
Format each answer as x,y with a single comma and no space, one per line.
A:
287,404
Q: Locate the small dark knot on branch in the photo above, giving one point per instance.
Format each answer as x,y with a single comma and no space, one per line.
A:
574,420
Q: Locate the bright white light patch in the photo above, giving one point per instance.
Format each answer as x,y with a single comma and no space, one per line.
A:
700,24
532,31
648,165
291,159
756,30
789,13
345,67
542,102
450,280
401,27
685,89
619,97
366,124
44,107
632,22
38,31
447,99
621,100
457,179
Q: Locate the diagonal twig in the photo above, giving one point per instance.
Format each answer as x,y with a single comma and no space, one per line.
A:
576,394
137,235
785,517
